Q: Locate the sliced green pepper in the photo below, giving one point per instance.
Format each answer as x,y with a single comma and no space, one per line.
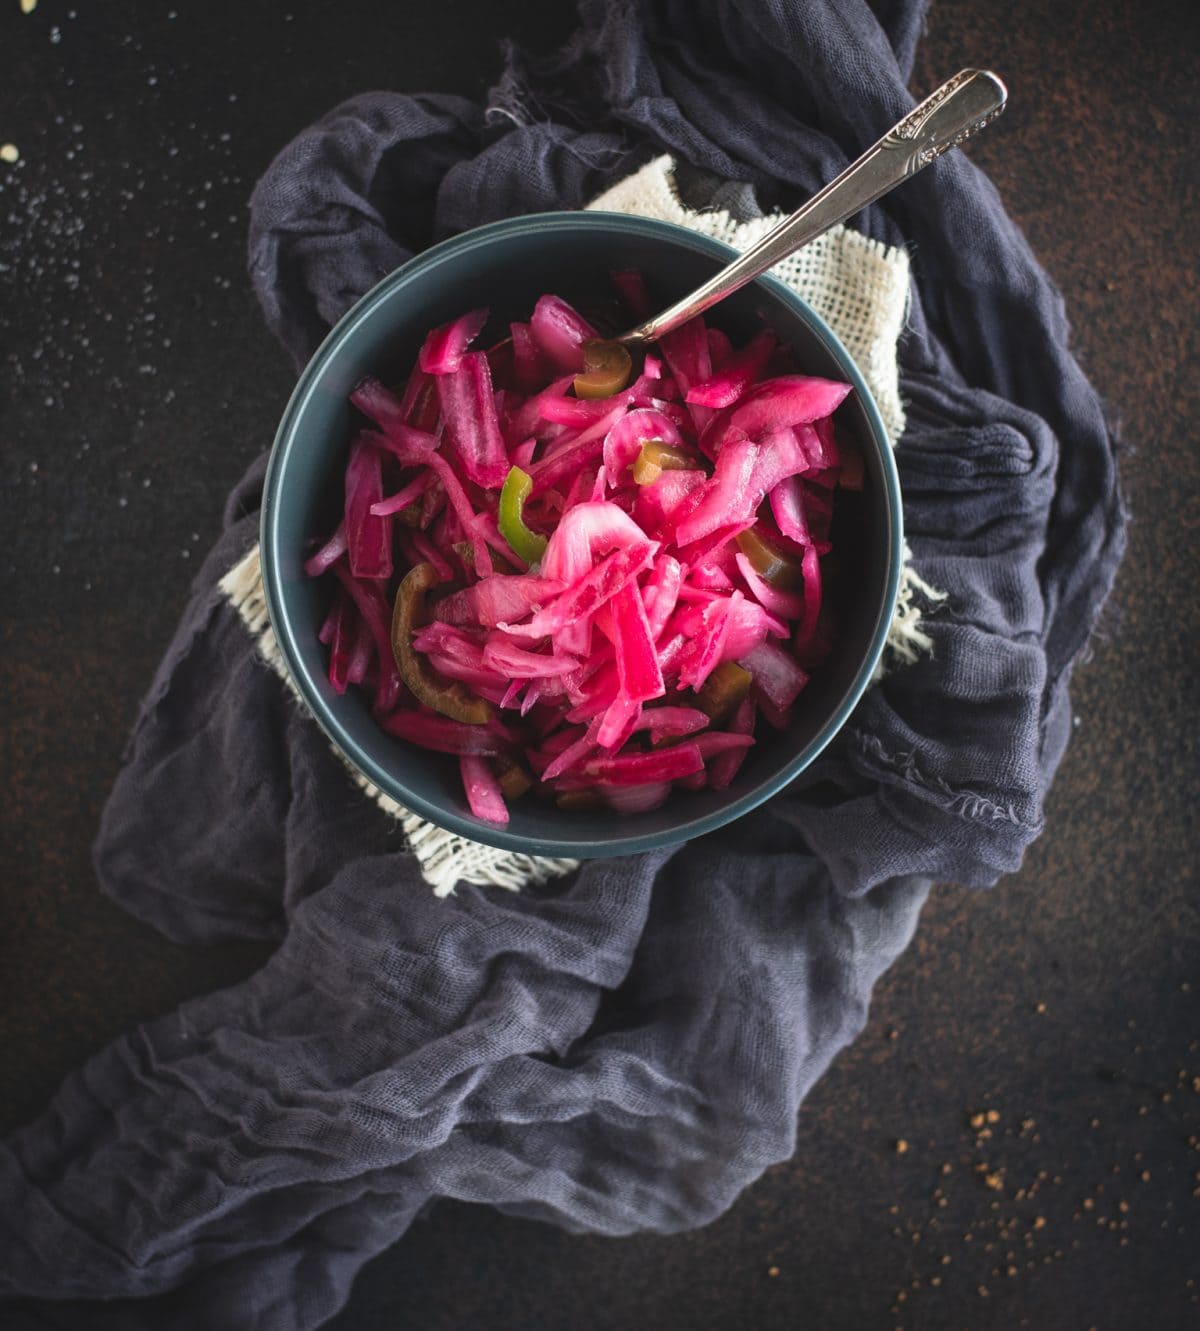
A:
774,566
514,781
449,697
607,368
723,690
525,544
466,552
657,457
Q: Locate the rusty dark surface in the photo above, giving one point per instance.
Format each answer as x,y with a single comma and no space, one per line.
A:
137,382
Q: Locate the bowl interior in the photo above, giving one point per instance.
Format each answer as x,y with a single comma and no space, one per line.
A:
507,266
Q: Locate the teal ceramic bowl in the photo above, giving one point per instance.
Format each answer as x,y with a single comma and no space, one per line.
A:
507,265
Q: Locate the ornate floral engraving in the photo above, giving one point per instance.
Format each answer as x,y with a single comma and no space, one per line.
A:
936,124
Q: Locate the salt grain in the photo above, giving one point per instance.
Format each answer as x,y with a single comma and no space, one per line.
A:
9,153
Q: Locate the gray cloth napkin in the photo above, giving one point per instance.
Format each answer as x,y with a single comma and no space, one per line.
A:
625,1049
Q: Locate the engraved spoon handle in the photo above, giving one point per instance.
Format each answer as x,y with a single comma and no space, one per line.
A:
958,109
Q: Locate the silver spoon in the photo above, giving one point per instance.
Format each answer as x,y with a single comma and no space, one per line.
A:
958,109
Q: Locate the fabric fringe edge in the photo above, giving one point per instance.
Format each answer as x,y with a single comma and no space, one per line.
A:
907,640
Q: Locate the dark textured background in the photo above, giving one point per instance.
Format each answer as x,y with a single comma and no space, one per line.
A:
136,381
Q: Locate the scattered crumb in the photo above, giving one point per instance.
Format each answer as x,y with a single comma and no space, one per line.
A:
901,1146
946,1168
993,1116
9,153
1040,1008
28,6
1039,1222
772,1271
1145,1176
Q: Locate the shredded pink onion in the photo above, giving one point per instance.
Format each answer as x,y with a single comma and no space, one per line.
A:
560,333
778,677
737,375
407,494
598,649
328,554
784,604
483,790
442,351
725,766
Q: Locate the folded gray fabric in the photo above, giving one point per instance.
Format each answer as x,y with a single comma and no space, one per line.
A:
626,1049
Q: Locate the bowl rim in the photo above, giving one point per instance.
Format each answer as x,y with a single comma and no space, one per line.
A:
465,825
